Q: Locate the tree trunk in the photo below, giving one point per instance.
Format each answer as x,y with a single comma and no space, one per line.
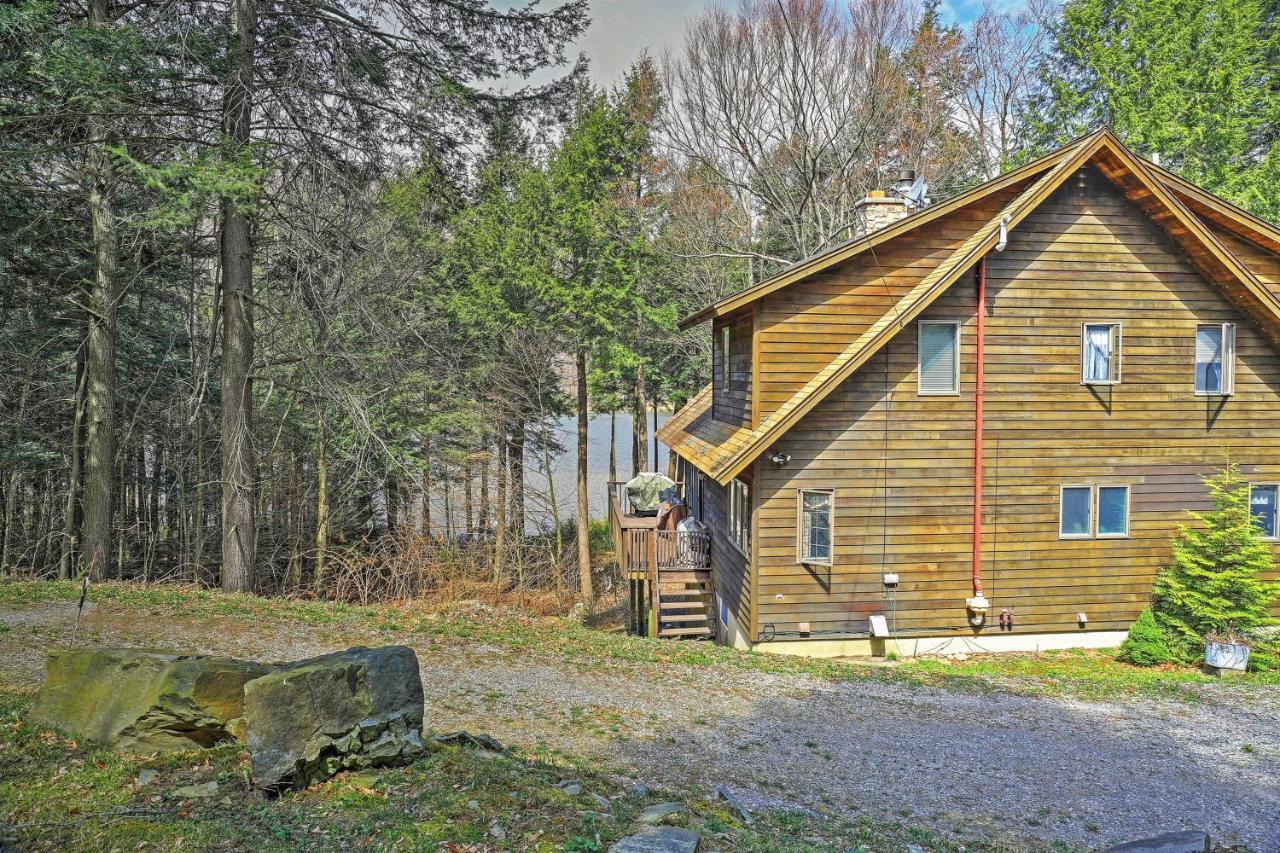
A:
239,520
426,489
70,518
584,541
100,369
500,509
322,500
197,508
516,461
468,494
555,507
640,462
613,446
483,525
655,433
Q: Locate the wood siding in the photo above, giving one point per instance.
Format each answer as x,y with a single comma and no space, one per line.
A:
731,402
900,464
806,325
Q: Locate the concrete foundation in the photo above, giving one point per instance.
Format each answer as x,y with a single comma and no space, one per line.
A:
951,644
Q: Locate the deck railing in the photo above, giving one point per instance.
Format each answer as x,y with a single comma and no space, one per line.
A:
645,553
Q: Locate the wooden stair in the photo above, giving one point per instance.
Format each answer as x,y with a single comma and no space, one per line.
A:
684,603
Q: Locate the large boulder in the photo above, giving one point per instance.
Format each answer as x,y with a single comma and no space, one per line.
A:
145,700
354,709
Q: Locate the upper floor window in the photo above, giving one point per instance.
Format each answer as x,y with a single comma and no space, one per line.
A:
815,527
739,513
1262,502
939,358
1100,354
724,356
1215,359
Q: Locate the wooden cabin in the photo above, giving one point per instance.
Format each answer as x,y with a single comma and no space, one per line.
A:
978,426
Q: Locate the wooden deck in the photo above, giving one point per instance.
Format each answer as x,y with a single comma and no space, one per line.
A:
668,573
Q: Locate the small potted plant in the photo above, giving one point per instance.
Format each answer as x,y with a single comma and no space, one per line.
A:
1228,650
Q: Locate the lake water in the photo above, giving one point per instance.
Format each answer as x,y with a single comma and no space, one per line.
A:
564,471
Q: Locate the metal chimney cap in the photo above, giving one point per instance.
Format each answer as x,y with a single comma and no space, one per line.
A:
908,175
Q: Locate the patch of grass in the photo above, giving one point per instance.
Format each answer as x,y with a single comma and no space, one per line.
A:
1082,673
57,794
1086,674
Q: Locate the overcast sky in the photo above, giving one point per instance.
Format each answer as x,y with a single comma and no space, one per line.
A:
622,29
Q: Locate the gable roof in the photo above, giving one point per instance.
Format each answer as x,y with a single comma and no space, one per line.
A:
844,251
722,450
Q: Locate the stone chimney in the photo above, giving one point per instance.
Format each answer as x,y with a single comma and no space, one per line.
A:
881,209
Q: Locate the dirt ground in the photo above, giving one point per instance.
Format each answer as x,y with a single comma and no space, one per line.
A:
977,765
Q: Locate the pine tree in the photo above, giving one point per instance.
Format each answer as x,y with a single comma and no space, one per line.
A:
1194,82
1213,583
1145,645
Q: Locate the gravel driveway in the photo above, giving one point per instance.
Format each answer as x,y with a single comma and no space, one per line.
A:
1013,770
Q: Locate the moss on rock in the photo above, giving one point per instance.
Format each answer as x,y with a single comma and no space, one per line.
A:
354,709
144,700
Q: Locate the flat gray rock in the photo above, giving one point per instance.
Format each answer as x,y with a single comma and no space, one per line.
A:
656,814
659,839
1191,841
188,792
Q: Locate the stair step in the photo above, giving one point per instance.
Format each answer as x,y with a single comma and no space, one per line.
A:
683,617
699,631
686,593
665,605
683,576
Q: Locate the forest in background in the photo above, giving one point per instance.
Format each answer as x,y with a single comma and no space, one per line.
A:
274,273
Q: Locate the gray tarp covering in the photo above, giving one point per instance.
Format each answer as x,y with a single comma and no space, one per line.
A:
644,491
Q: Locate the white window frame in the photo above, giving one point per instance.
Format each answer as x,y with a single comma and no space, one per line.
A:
1275,535
1097,510
1228,332
738,529
1062,490
801,537
955,380
1094,493
1116,355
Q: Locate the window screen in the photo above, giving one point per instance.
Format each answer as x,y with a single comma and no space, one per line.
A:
740,515
724,356
1113,510
815,527
939,358
1077,509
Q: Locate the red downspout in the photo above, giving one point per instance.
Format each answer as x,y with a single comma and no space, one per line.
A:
979,369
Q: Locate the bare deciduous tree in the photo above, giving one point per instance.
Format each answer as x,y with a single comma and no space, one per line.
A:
783,114
1003,52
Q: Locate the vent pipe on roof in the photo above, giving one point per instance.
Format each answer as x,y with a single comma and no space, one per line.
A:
906,177
1004,234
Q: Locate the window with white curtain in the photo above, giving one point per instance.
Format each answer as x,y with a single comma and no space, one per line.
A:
814,544
1100,354
1215,359
939,358
1262,503
740,515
